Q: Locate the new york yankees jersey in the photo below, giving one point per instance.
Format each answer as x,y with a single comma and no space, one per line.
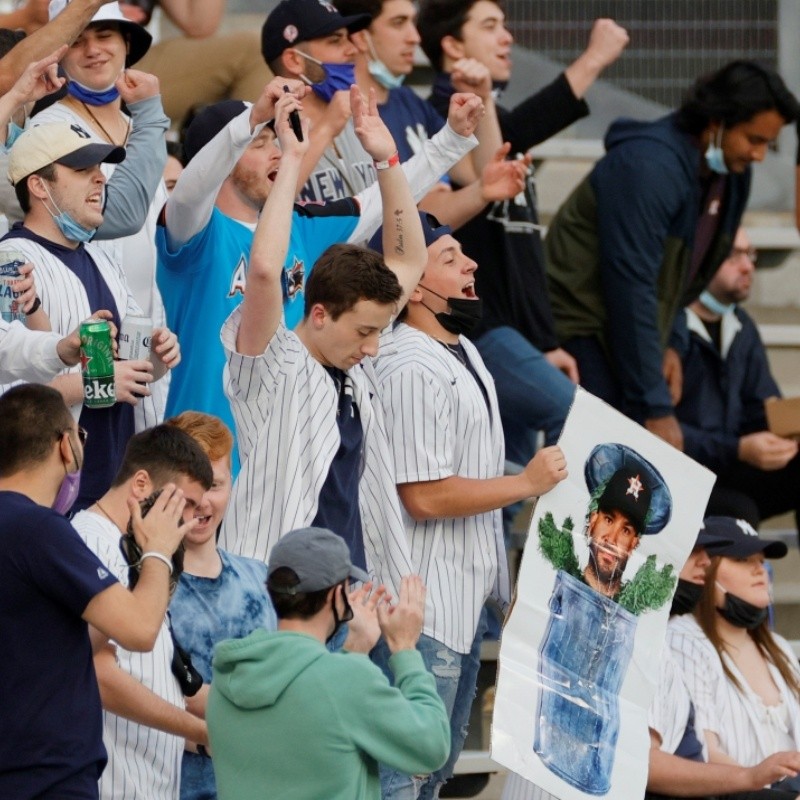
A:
285,403
143,763
136,254
438,425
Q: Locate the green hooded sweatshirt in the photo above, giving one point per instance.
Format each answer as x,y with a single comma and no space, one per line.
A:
289,720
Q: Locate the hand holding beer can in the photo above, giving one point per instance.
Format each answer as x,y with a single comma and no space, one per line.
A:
10,262
134,338
97,364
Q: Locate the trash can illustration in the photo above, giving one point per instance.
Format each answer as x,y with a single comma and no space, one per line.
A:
583,659
588,643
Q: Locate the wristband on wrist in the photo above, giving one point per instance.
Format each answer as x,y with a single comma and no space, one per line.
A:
392,161
160,556
37,304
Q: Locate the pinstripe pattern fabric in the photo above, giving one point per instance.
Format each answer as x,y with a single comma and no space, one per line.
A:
739,719
438,426
143,763
284,404
517,788
669,711
63,296
136,254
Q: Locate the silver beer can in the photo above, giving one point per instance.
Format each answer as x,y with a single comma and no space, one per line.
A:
10,262
134,338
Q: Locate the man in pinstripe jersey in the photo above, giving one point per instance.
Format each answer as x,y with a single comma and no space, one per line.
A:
447,443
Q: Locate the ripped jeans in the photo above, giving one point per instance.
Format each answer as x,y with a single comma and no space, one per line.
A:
456,677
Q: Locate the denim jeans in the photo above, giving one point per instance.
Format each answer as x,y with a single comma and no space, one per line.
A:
533,395
456,677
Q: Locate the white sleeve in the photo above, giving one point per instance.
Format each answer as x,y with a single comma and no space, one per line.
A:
28,355
701,667
423,171
190,205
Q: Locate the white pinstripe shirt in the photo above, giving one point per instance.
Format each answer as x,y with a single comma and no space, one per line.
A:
438,426
669,710
739,719
143,763
136,254
66,303
284,404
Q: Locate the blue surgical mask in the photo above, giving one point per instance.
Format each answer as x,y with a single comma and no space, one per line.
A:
69,228
14,132
92,97
380,71
714,155
714,305
338,78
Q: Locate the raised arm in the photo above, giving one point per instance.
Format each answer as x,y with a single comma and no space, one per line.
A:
403,241
130,190
606,43
424,169
64,29
190,205
262,307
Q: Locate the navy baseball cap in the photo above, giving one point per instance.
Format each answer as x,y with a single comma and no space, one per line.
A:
620,478
319,558
744,539
295,21
208,123
432,229
708,540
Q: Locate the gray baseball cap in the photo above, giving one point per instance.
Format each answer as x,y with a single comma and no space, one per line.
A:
318,556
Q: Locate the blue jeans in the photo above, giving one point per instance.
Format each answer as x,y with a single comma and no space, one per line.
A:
456,677
532,394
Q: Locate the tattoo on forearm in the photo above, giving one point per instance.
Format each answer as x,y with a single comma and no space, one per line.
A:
399,249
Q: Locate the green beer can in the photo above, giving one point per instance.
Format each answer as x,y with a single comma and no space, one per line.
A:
97,364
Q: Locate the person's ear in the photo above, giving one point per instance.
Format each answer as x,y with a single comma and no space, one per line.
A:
292,62
452,48
318,316
36,187
359,39
141,484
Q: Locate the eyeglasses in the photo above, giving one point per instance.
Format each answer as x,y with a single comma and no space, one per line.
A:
750,253
83,434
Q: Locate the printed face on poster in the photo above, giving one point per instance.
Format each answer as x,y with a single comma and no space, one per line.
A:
581,648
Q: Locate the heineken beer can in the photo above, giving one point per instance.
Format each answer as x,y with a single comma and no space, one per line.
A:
97,364
134,338
10,262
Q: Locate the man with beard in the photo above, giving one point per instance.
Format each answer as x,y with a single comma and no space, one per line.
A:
615,528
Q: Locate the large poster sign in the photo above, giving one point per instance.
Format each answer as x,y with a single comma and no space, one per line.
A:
580,650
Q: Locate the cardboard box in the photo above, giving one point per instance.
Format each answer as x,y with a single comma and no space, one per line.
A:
783,416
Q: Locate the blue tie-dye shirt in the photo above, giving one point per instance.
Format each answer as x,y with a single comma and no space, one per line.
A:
204,612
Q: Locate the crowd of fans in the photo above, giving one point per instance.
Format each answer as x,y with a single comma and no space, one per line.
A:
354,320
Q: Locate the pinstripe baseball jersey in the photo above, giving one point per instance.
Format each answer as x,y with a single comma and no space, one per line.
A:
143,763
66,302
671,705
747,731
136,254
284,404
27,355
438,425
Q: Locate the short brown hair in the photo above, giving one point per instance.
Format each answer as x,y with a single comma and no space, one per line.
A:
33,418
345,274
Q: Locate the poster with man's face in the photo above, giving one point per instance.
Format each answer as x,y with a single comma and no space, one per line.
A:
581,648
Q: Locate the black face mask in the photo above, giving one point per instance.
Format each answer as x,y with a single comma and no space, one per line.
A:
687,596
741,613
346,617
463,316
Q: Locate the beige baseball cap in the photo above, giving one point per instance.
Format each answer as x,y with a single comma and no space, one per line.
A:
58,143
